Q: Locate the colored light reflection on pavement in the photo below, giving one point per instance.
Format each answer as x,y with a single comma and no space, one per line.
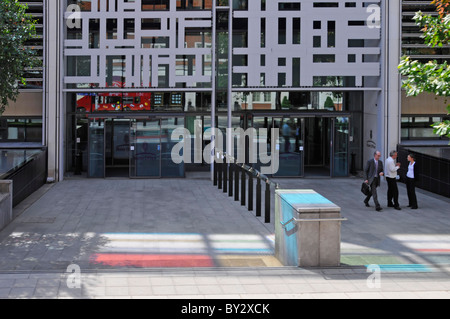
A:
178,250
152,261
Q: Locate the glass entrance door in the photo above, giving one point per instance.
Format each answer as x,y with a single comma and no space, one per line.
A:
117,147
340,146
318,146
290,145
96,153
145,148
308,146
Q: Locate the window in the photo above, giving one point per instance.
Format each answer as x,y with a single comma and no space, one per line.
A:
151,24
331,34
155,5
128,28
193,5
78,66
296,34
281,79
111,29
326,5
289,6
317,41
94,33
21,129
281,30
240,4
324,58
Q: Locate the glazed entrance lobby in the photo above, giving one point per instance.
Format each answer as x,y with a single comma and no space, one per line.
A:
314,139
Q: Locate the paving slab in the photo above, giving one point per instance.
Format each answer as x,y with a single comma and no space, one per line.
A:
181,238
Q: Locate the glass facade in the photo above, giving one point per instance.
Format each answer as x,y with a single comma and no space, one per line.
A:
35,76
415,123
135,71
20,129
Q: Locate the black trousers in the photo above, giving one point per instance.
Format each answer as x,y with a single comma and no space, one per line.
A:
392,193
373,194
411,189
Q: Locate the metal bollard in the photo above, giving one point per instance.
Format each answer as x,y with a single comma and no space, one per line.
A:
215,173
250,192
243,187
230,180
258,197
236,182
225,177
219,168
267,204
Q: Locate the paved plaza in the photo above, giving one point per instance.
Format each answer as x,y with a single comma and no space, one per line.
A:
184,238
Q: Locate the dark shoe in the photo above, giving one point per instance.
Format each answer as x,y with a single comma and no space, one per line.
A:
397,208
367,204
414,207
379,209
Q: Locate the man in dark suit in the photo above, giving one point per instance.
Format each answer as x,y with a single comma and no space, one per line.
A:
373,172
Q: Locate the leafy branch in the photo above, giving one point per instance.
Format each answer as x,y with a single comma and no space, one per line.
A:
16,28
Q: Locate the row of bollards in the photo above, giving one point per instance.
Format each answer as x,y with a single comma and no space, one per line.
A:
228,174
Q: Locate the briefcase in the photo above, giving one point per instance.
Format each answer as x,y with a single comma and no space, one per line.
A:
365,188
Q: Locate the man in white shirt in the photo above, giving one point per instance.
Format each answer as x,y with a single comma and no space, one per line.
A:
391,179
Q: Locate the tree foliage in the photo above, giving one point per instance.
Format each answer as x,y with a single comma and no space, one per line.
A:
16,28
432,77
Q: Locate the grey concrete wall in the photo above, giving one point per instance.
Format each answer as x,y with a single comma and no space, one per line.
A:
6,203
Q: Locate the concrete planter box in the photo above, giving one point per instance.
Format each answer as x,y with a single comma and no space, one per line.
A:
307,229
6,203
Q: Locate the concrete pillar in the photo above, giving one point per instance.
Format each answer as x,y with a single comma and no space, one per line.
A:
393,79
54,112
382,110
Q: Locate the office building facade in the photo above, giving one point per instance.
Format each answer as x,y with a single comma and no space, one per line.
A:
120,76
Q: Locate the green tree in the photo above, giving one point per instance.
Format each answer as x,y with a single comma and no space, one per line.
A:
16,28
432,77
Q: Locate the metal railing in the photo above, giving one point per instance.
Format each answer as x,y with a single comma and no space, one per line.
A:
300,220
434,171
231,177
29,175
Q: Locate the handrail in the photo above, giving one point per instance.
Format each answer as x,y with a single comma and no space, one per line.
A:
232,160
228,168
299,220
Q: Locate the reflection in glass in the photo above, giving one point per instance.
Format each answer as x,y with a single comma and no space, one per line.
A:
168,167
341,134
290,139
145,149
97,149
296,101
